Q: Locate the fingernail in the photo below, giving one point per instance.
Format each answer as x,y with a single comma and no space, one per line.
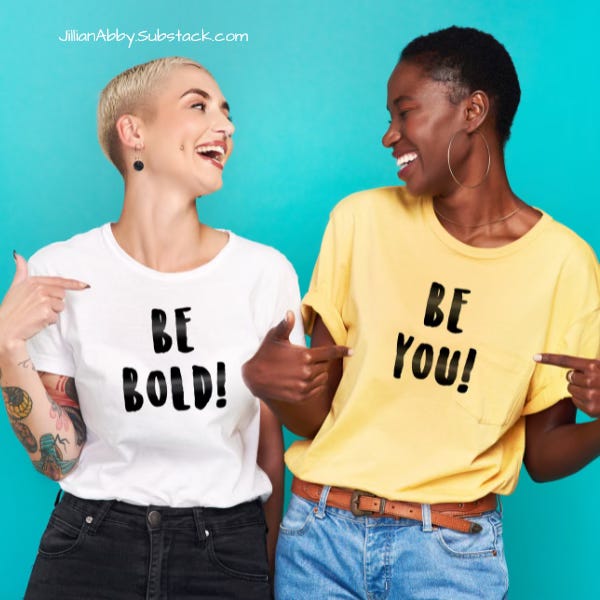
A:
537,357
85,286
15,255
350,352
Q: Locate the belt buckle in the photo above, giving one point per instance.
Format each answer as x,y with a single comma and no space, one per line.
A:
357,512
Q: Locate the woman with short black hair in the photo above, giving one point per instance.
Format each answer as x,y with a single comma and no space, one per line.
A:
444,289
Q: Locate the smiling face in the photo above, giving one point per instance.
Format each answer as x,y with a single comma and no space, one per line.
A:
187,137
423,119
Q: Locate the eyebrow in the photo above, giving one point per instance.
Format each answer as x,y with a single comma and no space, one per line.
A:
205,95
399,99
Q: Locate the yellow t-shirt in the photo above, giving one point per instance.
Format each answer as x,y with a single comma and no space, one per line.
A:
431,405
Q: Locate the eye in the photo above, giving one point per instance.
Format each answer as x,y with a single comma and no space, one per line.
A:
199,105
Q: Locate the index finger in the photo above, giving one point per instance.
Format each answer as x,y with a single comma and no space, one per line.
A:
327,353
68,284
562,360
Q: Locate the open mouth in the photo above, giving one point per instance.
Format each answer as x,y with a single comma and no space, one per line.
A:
403,161
212,152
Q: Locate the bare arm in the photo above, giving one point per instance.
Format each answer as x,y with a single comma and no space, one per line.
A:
43,409
270,460
297,383
557,446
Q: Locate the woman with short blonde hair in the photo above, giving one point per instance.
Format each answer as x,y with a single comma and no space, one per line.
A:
120,357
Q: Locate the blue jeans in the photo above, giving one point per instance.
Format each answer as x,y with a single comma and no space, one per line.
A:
328,553
109,550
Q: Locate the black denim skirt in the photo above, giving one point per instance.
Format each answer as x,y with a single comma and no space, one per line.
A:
110,550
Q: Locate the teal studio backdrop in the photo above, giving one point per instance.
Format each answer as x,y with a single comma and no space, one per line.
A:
308,94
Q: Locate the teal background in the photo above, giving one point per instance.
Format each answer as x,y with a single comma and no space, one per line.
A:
308,99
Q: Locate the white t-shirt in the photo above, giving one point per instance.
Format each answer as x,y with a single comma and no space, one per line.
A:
157,361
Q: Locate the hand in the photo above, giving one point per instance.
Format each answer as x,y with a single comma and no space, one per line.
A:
31,303
281,371
583,377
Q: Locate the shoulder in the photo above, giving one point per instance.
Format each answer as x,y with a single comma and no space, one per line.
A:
62,254
376,202
261,257
565,244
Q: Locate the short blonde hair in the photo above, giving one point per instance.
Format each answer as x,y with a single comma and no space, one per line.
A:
130,92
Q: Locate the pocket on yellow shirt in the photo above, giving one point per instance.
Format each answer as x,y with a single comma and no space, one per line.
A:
497,386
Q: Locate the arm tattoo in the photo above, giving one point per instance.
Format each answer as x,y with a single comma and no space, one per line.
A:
18,406
17,401
51,462
64,407
27,364
24,435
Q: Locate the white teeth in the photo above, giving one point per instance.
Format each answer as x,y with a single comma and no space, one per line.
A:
406,159
218,149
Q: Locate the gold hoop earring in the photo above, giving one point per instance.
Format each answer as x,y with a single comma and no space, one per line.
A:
489,162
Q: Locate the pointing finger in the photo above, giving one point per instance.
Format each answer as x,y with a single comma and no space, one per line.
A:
327,353
63,282
562,360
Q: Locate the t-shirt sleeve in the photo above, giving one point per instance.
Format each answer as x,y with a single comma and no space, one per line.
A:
574,327
287,297
48,349
328,290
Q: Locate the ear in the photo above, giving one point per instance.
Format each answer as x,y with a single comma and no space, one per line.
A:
130,131
477,109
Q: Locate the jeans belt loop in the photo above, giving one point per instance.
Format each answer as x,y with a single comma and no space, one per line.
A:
426,518
320,514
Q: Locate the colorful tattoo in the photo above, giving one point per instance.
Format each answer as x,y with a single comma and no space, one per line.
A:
24,435
64,407
17,401
51,462
18,406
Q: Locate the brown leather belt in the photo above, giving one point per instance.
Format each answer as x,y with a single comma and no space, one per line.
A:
449,514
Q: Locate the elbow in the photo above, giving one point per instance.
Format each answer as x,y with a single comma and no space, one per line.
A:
539,476
540,472
56,470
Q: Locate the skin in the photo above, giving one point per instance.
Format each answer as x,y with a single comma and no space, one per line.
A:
269,459
159,228
36,402
423,120
297,383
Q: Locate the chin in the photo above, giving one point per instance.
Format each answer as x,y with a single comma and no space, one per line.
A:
423,187
416,190
208,187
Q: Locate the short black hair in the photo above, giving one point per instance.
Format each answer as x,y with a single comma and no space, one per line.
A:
470,60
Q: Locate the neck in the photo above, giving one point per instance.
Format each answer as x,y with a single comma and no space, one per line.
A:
159,228
486,203
487,216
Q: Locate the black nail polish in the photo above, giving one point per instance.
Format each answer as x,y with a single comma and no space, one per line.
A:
15,254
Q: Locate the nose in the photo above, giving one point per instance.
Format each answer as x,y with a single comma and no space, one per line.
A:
391,136
223,125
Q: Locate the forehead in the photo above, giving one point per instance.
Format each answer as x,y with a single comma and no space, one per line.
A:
409,80
183,78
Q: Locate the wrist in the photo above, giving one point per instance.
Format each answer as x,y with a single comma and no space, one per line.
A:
13,349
